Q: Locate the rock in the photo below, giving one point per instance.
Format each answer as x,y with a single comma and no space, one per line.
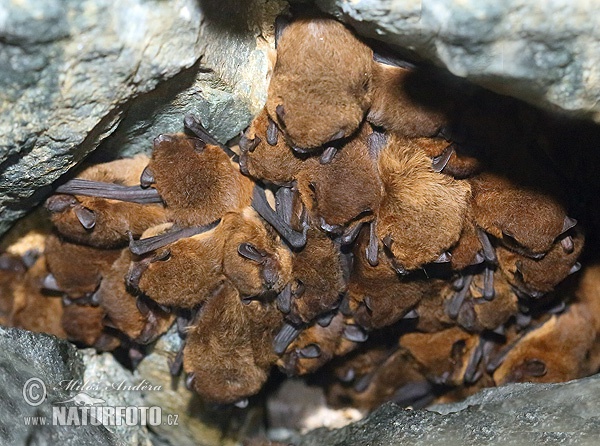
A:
546,53
516,414
71,70
36,366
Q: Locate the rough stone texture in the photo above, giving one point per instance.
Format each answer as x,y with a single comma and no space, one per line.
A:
546,53
518,414
71,70
25,355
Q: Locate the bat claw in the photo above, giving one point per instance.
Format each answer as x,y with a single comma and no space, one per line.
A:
310,351
355,333
241,404
189,381
284,338
576,267
284,299
444,257
568,224
147,178
372,250
439,163
567,244
412,314
327,155
272,133
50,283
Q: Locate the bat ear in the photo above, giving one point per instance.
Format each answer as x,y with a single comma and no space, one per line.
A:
86,217
49,283
280,111
251,252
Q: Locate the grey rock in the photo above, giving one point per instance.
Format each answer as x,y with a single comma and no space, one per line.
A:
517,414
51,363
546,53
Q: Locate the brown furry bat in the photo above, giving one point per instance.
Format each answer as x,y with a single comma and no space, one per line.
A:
33,310
319,91
103,222
133,316
276,163
84,324
228,351
522,218
318,278
197,182
254,258
396,379
534,276
422,213
315,346
347,188
564,347
378,296
76,270
442,357
182,274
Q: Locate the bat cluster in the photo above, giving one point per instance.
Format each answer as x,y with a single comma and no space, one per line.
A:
375,224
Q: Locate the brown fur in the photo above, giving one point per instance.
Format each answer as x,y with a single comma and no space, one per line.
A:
443,356
121,308
477,314
84,324
467,246
246,275
229,349
321,78
198,184
540,275
77,269
33,310
502,208
565,347
318,268
390,297
276,164
345,189
405,102
189,275
423,211
329,341
113,218
386,379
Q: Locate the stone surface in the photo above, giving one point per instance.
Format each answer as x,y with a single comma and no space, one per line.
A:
53,362
517,414
71,71
546,53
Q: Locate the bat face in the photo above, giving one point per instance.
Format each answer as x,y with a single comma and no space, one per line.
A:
197,182
530,219
276,163
319,91
127,313
315,346
345,189
75,269
254,260
34,311
542,275
442,357
182,274
319,280
422,212
225,349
